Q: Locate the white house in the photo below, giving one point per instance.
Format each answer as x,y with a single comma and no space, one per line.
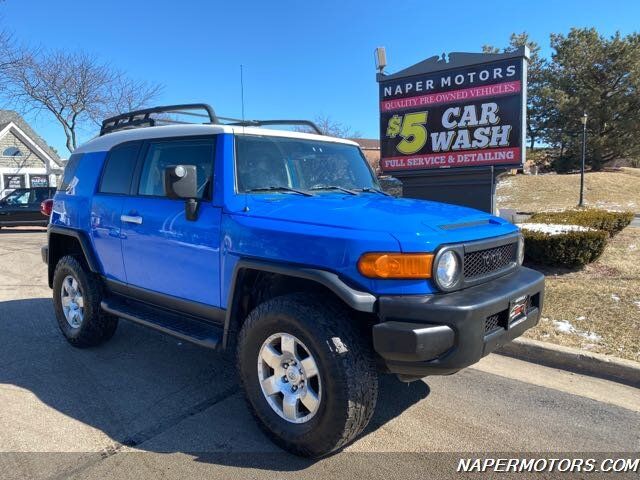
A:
25,158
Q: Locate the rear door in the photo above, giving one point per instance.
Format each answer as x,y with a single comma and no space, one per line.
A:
163,252
113,189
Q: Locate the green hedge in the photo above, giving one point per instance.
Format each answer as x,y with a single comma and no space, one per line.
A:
569,249
610,222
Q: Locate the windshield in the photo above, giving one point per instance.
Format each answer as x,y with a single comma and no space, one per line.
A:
266,164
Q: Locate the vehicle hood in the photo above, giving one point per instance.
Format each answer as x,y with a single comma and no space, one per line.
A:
409,220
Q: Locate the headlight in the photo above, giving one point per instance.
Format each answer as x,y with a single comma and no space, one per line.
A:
448,269
520,249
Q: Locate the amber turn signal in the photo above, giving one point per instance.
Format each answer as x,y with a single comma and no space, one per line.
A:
396,265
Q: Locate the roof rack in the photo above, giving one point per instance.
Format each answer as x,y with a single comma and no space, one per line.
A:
143,118
262,123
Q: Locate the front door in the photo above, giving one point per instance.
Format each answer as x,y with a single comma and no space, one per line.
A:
163,252
38,195
16,207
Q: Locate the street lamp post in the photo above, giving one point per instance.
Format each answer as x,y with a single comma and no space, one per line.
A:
584,151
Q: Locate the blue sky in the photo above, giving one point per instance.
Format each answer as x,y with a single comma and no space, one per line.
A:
300,58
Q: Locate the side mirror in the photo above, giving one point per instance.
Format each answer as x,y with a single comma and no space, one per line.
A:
181,181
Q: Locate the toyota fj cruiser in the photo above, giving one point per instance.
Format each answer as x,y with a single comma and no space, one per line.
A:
281,247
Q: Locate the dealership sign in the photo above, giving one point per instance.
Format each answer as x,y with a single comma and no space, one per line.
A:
39,181
13,181
467,112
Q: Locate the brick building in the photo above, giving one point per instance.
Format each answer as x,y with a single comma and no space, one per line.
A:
371,149
25,158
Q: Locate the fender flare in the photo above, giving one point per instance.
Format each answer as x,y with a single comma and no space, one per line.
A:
84,242
355,299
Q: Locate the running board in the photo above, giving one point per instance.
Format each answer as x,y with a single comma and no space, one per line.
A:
183,327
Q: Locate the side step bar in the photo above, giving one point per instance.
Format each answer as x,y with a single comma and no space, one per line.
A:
185,328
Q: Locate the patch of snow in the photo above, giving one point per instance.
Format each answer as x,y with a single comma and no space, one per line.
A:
633,247
553,229
604,203
615,297
592,337
581,318
563,326
637,304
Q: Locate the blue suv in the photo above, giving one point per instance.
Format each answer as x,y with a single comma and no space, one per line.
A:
279,246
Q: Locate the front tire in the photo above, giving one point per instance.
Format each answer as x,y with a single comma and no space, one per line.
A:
308,376
77,295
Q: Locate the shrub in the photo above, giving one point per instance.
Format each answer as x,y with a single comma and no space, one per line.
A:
565,164
562,245
610,222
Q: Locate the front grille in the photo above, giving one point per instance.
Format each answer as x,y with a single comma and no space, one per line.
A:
484,262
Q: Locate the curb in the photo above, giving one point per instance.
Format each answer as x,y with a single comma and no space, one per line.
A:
574,360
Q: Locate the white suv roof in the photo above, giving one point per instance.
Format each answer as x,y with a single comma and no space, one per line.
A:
106,142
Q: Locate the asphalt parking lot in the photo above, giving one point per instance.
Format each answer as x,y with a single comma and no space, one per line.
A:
149,406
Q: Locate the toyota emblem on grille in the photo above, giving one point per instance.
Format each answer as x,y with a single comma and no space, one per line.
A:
491,259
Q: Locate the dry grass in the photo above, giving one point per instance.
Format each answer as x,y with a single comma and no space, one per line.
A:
599,306
533,193
596,308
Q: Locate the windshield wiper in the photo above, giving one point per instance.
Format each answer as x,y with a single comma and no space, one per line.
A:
333,187
280,189
373,190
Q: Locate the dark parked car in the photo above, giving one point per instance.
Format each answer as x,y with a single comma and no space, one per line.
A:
22,207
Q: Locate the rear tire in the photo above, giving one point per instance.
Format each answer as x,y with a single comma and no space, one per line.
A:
77,295
345,386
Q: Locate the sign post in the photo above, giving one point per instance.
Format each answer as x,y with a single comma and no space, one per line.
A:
448,129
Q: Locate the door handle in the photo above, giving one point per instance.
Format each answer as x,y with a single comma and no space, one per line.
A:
131,219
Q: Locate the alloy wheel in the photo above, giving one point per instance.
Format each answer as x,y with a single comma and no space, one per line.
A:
72,301
289,378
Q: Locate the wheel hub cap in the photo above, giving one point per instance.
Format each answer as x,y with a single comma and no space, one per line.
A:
289,378
293,375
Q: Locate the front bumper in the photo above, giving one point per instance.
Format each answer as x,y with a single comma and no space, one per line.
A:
442,333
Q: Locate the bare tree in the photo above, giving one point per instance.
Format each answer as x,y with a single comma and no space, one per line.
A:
331,127
125,95
76,88
10,56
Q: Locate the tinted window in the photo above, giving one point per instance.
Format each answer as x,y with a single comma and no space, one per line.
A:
70,170
41,194
118,170
184,152
17,197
